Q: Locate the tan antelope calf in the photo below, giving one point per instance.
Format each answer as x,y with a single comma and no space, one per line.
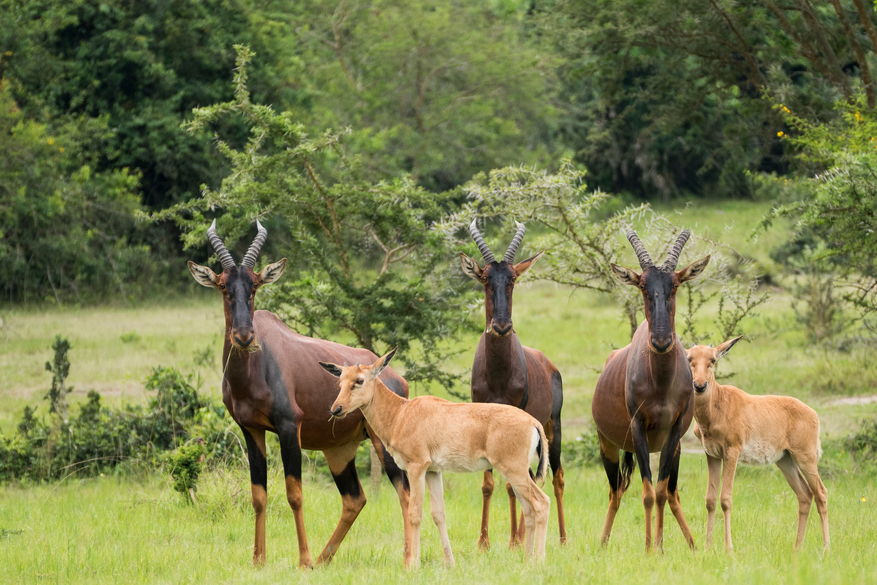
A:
734,426
427,435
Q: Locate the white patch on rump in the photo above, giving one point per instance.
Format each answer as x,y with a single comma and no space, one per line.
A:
534,445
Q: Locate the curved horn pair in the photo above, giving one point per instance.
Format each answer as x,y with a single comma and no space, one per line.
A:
645,260
509,256
225,258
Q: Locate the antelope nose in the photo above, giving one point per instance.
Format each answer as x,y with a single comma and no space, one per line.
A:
502,329
662,347
699,387
336,411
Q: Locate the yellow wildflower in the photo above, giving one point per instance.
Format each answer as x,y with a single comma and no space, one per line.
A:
780,133
50,141
61,149
863,499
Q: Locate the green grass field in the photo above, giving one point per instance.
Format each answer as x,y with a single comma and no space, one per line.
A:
136,529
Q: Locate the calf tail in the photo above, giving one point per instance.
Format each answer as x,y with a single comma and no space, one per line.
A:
542,452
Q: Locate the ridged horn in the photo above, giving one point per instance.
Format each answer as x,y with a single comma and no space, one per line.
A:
644,260
516,242
225,258
673,256
253,253
482,245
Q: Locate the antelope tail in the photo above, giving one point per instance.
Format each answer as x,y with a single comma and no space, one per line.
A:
542,452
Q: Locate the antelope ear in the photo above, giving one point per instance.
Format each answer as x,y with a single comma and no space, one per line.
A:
470,267
693,270
525,265
271,272
625,275
383,362
332,369
203,275
726,347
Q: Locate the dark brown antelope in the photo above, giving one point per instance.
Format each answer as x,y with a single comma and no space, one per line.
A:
272,382
642,402
733,426
505,372
427,435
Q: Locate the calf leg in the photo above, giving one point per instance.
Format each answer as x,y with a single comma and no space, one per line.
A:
714,466
437,507
729,469
417,476
399,480
256,455
809,471
535,506
342,464
617,481
486,493
802,491
290,453
517,532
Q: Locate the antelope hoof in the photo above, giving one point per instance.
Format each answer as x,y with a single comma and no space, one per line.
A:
484,544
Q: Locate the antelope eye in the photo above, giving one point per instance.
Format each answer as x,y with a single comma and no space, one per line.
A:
712,362
359,381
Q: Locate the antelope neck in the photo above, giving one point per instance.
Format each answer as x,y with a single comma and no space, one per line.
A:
662,366
499,353
382,410
235,363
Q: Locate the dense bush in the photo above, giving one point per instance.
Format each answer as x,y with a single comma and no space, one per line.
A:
100,439
863,443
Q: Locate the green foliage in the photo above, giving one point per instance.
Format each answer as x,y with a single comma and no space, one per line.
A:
60,367
100,439
65,230
186,463
863,443
836,228
581,241
583,451
366,263
671,97
437,90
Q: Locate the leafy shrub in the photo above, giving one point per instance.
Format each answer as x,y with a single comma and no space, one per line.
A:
186,462
100,439
584,450
863,443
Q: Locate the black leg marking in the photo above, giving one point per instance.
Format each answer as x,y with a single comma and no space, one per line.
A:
258,463
669,453
348,480
290,450
613,473
641,444
555,447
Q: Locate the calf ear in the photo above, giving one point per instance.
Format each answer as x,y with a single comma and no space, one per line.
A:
332,369
383,362
203,275
625,275
470,267
525,265
726,347
271,272
693,270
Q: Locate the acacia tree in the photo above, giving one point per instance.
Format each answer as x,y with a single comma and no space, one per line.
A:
581,240
364,263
